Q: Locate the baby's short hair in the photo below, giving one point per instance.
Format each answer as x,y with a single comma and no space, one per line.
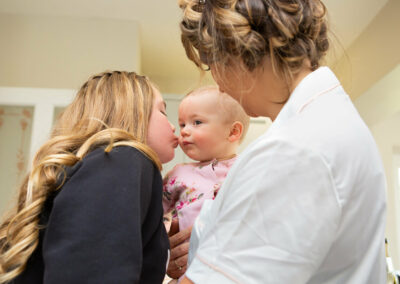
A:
230,108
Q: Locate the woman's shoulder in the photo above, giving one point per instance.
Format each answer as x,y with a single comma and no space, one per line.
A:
121,158
121,153
103,173
276,154
121,161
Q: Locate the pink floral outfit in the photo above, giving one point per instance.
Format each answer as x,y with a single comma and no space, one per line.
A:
186,187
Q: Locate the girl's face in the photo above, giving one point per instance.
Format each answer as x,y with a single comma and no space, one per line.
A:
203,131
160,135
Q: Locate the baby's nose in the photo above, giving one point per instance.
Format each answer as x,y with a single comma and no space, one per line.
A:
184,131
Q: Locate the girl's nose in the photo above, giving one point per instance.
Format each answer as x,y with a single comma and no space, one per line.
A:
173,127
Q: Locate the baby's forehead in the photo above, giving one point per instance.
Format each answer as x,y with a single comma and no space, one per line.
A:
211,95
206,102
204,91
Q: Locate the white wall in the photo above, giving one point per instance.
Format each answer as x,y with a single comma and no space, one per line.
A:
62,52
380,109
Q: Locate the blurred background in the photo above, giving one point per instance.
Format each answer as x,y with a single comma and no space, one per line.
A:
48,48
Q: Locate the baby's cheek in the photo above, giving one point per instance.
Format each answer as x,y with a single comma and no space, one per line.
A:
201,138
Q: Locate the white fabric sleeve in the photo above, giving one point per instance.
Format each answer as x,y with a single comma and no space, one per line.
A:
274,219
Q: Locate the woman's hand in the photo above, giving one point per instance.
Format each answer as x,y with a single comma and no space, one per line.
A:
179,243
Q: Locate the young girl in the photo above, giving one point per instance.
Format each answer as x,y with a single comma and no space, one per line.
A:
212,125
305,202
90,209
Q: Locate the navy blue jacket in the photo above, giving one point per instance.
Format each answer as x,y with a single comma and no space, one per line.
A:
105,225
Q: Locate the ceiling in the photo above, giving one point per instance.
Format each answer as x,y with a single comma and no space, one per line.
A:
162,53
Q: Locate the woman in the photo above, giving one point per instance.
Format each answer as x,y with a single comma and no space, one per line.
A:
305,203
90,210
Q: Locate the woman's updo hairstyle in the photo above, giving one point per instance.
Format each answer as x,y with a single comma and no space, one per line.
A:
287,31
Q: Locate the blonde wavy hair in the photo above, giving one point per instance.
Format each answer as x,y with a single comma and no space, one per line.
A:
111,109
287,31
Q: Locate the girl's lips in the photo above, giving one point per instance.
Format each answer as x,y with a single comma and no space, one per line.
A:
176,143
184,143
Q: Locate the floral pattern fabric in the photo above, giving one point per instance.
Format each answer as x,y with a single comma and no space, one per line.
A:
186,187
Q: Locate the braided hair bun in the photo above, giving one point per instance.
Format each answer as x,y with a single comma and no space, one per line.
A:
287,31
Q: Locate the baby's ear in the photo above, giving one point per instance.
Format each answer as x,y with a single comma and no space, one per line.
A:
236,131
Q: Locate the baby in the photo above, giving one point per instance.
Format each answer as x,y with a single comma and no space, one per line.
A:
212,125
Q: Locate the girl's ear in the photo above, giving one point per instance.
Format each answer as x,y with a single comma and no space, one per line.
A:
236,131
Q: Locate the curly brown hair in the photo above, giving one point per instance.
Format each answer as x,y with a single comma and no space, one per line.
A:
287,31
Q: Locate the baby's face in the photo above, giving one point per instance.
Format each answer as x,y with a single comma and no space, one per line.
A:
203,131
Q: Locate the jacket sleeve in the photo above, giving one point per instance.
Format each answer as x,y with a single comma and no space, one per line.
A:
94,229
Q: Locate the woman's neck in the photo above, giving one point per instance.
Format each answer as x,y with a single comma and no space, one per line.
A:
274,91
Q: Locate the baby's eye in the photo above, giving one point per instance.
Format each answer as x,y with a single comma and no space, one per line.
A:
197,122
182,125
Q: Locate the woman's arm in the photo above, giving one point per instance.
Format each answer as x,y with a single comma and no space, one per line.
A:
95,228
179,243
274,221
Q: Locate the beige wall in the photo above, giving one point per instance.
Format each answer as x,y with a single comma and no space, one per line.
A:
388,140
374,53
181,86
370,73
380,109
62,52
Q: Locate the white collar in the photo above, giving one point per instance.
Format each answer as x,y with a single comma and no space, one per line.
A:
312,86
